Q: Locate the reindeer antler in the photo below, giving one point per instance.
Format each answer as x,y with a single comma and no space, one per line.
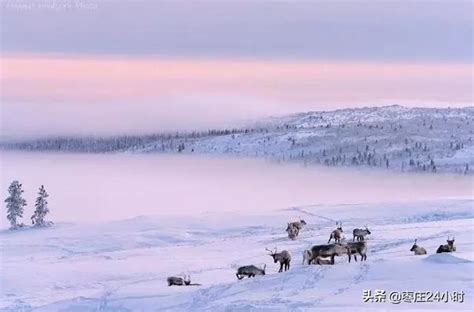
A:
271,252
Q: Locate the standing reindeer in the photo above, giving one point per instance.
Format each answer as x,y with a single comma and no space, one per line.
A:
306,257
179,281
295,227
447,248
417,249
325,251
292,232
337,234
360,234
284,257
354,248
249,271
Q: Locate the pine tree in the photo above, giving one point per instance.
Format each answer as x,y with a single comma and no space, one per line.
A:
15,204
41,208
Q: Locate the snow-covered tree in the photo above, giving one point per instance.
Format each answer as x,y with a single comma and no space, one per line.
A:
15,204
42,209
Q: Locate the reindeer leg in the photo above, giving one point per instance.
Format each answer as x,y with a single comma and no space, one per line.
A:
332,258
281,267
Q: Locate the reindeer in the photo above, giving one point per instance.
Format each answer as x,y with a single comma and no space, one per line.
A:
354,248
337,234
299,225
325,251
360,234
306,256
283,257
323,261
417,249
292,232
249,271
447,248
179,281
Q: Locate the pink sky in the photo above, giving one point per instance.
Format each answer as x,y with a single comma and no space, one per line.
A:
310,83
89,95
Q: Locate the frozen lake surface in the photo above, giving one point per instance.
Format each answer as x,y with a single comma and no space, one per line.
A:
86,187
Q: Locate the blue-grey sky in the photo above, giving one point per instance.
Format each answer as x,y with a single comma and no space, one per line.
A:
422,31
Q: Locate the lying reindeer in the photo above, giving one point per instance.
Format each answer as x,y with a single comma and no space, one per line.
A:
337,234
326,251
283,257
306,256
360,234
323,261
179,281
354,248
249,271
447,248
417,249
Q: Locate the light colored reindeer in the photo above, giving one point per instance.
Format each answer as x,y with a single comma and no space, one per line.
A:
306,256
284,257
417,249
447,248
323,261
360,234
337,234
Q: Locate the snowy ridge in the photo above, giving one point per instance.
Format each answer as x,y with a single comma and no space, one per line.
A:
123,265
391,138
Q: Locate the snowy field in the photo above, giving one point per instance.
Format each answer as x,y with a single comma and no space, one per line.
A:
96,260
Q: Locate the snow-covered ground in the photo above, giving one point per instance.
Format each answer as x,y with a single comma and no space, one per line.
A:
123,265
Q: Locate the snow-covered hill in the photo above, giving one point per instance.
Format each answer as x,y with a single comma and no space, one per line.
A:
391,137
123,265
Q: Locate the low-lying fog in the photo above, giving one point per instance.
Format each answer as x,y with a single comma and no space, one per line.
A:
118,186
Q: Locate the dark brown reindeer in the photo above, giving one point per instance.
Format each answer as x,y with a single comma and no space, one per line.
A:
337,234
179,281
249,271
327,251
354,248
360,234
447,248
417,249
284,257
295,227
292,232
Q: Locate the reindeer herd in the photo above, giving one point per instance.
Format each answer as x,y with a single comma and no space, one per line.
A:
319,254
